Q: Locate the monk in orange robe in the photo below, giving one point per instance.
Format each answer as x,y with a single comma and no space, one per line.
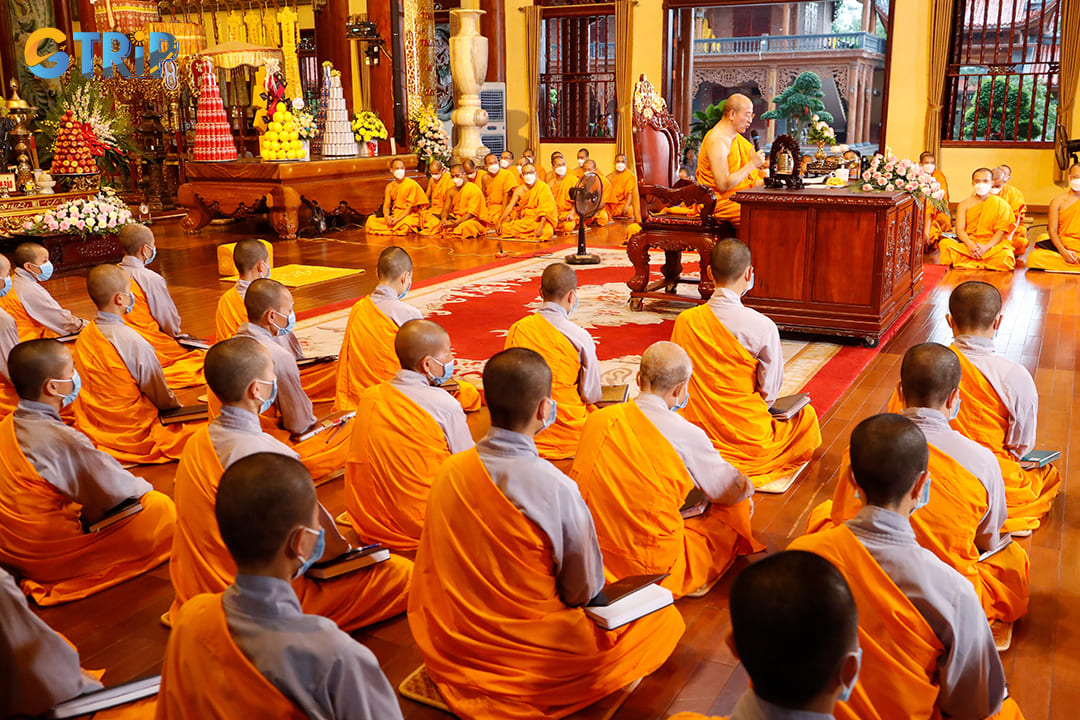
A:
582,157
9,338
561,183
983,222
252,262
601,217
404,203
624,200
471,174
507,558
498,184
241,374
738,371
251,651
124,388
962,520
727,162
937,221
439,184
529,158
35,312
999,404
569,351
530,214
405,429
54,484
1012,195
552,176
636,465
462,212
1058,250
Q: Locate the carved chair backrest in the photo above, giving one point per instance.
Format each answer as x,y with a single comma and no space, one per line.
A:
656,138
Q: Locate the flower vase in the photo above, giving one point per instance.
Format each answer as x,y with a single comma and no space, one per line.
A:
307,150
820,154
365,149
373,148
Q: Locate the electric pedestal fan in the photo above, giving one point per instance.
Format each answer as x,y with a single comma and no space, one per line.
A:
587,196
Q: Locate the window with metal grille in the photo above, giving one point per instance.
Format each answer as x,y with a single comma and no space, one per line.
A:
1002,80
577,76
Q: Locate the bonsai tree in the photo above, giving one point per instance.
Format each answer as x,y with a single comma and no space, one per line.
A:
799,103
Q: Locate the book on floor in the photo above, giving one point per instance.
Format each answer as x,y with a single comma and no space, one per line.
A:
614,394
124,510
307,362
696,504
184,413
193,343
348,562
628,599
788,406
106,698
1039,458
331,421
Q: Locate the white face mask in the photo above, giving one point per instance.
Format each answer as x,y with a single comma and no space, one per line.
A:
928,168
530,178
493,168
561,170
399,174
1074,184
504,163
459,181
619,167
437,177
581,162
982,189
995,190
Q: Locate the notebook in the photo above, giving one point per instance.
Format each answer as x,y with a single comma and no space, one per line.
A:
1039,458
307,362
614,394
348,562
68,338
637,603
124,510
618,589
193,343
184,413
331,421
788,406
695,504
104,699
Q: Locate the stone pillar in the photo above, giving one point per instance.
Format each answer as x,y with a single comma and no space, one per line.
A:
468,66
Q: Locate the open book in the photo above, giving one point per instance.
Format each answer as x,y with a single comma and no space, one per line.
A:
696,504
628,599
307,362
613,395
788,406
124,510
106,698
350,561
331,421
184,413
193,343
1039,458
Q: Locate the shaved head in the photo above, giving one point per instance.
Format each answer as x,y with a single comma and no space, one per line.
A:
729,260
435,167
261,500
926,156
794,623
393,263
418,339
583,153
262,295
664,365
556,154
397,163
888,453
507,155
33,363
469,165
5,266
491,158
30,252
590,165
104,282
557,282
233,364
134,237
515,380
738,103
249,253
974,305
982,173
929,374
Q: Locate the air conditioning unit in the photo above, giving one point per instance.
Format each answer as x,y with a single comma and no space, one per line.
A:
493,99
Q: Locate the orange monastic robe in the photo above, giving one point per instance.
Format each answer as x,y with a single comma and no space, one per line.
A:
560,439
497,193
29,328
946,526
230,315
207,677
43,541
114,413
535,204
740,154
725,403
634,483
486,614
396,451
182,368
1069,233
201,563
9,399
367,353
984,418
1018,205
939,221
984,220
469,200
564,204
437,196
623,187
404,196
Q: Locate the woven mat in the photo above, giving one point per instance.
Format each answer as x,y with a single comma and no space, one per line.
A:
301,275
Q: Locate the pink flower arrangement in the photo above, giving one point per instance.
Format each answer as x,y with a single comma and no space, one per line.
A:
888,173
102,214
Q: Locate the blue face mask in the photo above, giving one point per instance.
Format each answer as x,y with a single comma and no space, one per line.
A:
266,275
289,325
273,395
316,552
552,414
574,308
130,305
955,410
750,287
76,385
681,402
6,287
46,271
153,254
845,694
924,496
447,372
403,293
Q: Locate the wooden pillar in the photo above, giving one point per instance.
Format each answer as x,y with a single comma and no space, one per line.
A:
62,18
867,14
856,106
770,93
785,22
493,27
87,21
330,39
868,99
852,102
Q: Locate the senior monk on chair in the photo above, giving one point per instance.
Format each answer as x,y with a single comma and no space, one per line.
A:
405,428
124,389
252,262
404,203
569,351
462,212
738,371
635,466
929,651
727,162
530,212
795,630
35,311
966,510
1012,195
240,372
1058,250
54,483
507,558
983,223
9,338
254,648
154,315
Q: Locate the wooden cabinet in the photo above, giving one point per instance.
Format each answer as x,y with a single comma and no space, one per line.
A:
832,261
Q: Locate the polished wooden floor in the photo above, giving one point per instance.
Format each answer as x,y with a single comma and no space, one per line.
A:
119,629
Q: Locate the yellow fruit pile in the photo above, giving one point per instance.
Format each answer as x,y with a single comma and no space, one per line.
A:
281,141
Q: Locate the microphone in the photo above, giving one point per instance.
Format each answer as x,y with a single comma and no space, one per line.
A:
754,135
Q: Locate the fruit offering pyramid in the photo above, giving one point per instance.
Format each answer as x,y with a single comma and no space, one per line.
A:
281,141
71,152
213,138
338,140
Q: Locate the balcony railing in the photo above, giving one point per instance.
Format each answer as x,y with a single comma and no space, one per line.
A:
771,44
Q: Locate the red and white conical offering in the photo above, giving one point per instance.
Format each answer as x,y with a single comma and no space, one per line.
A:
213,137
